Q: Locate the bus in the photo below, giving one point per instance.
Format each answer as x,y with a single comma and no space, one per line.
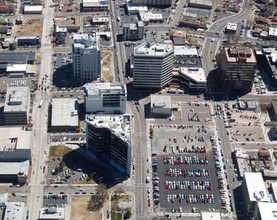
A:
40,104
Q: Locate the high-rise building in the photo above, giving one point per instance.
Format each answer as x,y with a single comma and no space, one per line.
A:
109,136
108,98
153,64
236,67
86,57
133,31
152,2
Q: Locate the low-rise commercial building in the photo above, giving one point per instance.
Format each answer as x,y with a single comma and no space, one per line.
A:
64,115
52,213
231,28
193,79
158,3
108,98
33,9
109,136
15,210
94,5
148,17
17,105
161,105
28,41
272,33
211,216
253,191
133,31
205,4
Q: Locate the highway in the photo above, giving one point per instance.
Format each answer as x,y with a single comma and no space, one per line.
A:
39,133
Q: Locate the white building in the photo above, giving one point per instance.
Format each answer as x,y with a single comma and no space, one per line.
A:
52,213
33,9
265,211
64,115
108,98
148,17
153,64
211,216
86,57
193,78
152,2
161,105
17,104
231,28
110,135
272,33
185,51
254,191
15,210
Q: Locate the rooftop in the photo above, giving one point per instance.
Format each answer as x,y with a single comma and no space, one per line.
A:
117,124
85,40
15,210
33,7
153,49
160,101
232,26
197,74
64,112
17,57
268,211
272,31
202,2
17,99
14,168
52,213
98,88
94,3
256,187
240,54
68,22
271,55
100,19
185,51
149,16
210,216
16,68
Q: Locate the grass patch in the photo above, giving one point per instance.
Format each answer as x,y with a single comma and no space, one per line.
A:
79,209
116,216
85,181
59,151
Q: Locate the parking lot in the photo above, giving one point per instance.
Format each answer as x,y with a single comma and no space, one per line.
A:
184,169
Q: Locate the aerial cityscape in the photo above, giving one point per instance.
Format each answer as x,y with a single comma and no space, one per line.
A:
138,109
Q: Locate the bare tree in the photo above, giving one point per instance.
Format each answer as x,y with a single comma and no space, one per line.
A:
97,201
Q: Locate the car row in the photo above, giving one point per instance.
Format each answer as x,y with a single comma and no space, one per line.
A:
174,172
190,198
172,160
188,185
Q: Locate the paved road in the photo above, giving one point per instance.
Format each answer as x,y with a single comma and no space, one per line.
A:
39,134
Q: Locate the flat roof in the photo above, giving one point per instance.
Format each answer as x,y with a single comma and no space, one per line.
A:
153,49
160,101
23,138
98,88
272,31
14,168
268,211
17,57
16,68
185,51
210,216
202,2
17,99
232,26
85,40
149,16
33,7
64,112
195,73
15,210
52,213
117,124
100,19
237,54
256,187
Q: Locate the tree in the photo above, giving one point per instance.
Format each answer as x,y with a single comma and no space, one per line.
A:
61,166
97,201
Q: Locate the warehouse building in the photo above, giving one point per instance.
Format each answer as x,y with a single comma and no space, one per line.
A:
28,41
109,136
161,105
17,106
64,115
33,9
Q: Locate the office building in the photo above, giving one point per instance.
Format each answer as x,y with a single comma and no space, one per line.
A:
64,116
193,79
253,191
161,105
265,211
86,57
133,31
17,105
153,64
108,98
159,3
236,69
109,136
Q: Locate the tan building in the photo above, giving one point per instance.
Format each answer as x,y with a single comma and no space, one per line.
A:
236,68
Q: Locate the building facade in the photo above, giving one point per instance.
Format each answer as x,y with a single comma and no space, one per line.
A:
133,31
109,135
153,64
236,67
86,57
152,2
108,98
